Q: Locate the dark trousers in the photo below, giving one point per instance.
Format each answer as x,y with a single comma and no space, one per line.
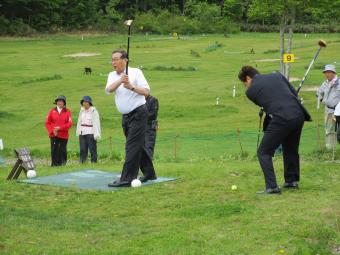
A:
86,143
58,151
287,133
150,137
134,127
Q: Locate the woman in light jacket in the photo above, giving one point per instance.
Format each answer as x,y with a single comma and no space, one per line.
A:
88,129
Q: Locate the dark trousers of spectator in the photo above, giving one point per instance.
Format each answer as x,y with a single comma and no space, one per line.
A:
87,143
58,151
136,157
287,133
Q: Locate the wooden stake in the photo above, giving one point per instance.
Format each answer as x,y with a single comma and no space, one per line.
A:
175,146
239,140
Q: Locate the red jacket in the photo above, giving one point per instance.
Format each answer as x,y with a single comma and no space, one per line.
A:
62,120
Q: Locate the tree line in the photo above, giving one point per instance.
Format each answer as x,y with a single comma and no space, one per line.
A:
22,17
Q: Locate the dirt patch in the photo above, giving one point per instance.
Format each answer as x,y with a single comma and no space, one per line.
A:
269,59
294,79
309,89
82,54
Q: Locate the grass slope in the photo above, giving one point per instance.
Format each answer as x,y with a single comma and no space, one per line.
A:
198,214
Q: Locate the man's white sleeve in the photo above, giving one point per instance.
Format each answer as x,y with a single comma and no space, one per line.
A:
108,83
141,81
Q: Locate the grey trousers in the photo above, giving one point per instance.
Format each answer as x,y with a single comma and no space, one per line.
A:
330,134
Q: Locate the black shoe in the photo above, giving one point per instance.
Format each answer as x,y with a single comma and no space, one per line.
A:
276,191
145,179
117,184
291,185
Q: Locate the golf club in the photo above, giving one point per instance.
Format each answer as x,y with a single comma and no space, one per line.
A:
259,131
322,44
128,23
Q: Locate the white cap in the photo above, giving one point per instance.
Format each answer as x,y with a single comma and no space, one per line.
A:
329,68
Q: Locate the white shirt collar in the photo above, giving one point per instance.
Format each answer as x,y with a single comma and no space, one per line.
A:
59,109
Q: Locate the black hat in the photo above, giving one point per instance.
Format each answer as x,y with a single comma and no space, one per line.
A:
61,97
86,99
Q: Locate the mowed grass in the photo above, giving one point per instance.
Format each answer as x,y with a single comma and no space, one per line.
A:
196,214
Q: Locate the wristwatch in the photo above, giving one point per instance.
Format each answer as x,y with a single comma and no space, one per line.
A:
133,88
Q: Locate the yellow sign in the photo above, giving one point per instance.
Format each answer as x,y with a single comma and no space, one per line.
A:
288,58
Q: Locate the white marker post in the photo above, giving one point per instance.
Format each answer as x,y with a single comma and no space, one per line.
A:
1,144
234,91
217,100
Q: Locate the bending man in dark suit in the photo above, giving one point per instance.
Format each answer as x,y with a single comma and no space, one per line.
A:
150,138
279,100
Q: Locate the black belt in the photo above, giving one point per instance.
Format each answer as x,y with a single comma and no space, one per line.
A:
84,125
133,111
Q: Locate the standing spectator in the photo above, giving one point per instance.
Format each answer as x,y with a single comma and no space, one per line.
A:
329,94
58,122
88,129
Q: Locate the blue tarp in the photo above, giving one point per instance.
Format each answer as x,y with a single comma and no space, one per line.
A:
85,179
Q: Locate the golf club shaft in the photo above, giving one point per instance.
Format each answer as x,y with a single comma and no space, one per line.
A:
309,67
259,131
128,50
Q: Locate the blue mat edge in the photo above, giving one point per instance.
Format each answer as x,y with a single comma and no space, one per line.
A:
32,181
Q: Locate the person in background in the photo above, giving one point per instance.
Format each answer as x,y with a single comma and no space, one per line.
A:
88,129
150,135
337,121
58,123
329,94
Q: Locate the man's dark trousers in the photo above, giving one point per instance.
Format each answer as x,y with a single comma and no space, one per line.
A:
86,143
287,133
134,127
58,151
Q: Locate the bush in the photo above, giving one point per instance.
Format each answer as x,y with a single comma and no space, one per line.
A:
15,27
203,19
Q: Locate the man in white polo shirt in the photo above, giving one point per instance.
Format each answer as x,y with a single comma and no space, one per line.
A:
130,92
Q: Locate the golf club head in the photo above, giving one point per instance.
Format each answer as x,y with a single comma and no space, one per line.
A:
322,43
128,22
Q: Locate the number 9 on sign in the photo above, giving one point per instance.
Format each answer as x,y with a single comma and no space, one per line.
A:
288,58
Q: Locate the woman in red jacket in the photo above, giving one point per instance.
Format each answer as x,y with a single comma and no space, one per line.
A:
58,122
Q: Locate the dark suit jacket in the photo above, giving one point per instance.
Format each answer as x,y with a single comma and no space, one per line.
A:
277,96
153,106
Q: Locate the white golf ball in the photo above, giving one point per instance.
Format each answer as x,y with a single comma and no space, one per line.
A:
31,174
136,183
234,187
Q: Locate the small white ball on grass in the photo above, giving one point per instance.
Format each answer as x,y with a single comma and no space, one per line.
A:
136,183
233,187
31,174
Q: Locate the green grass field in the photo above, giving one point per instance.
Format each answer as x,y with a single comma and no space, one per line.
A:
197,143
